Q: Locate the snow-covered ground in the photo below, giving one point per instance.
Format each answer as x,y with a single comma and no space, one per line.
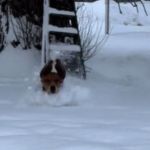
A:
108,111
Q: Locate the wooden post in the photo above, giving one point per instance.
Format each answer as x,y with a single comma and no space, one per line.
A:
107,14
44,34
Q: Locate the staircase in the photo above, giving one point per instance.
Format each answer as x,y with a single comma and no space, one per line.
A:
60,34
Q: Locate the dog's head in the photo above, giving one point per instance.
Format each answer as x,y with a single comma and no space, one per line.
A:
52,76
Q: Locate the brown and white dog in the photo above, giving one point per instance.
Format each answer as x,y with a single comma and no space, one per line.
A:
52,76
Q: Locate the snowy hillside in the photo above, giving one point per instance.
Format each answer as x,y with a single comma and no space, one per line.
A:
108,111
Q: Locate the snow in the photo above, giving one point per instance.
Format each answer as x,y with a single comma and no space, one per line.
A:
108,111
62,12
65,47
62,29
134,18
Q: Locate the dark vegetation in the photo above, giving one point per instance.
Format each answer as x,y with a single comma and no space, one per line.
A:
32,9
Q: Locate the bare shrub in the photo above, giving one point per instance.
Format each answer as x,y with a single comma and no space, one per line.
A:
91,34
134,3
26,32
2,35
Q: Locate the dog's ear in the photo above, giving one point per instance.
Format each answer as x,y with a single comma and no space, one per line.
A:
46,69
60,69
50,62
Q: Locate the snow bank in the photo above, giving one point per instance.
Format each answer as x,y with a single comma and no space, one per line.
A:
18,64
129,15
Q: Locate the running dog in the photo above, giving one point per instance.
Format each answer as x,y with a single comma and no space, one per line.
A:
52,76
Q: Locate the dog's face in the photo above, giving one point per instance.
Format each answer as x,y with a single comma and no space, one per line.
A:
52,76
51,83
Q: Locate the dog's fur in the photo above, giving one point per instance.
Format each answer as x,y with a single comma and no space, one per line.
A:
52,76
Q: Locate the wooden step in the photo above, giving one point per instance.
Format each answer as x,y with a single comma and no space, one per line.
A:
64,47
60,12
62,29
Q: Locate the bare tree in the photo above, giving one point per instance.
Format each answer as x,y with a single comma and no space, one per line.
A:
26,33
90,30
133,3
5,10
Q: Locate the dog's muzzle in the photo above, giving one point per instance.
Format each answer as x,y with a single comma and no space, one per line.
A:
53,89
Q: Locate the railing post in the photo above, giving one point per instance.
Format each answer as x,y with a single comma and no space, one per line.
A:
107,16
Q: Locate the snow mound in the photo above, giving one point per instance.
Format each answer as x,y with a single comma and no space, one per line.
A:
18,63
133,18
71,94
